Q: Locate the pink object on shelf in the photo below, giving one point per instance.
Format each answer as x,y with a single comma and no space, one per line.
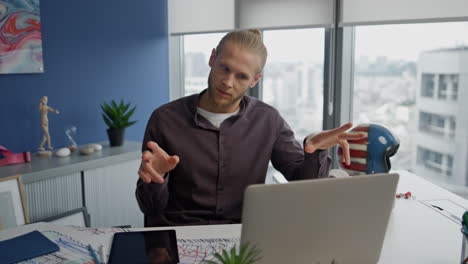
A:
13,158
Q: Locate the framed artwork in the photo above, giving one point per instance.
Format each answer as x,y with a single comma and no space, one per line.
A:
12,203
20,37
76,217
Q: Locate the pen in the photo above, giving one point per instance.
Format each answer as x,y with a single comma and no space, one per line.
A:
456,218
93,254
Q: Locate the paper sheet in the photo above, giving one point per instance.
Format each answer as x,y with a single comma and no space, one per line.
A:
194,251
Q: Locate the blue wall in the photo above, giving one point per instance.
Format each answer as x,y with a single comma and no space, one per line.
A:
93,50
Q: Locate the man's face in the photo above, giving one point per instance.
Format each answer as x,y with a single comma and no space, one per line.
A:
233,71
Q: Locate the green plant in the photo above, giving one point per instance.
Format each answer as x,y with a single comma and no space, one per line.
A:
117,115
247,255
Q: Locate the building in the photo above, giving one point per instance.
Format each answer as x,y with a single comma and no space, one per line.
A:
440,149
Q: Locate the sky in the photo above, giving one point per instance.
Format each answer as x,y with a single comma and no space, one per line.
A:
408,40
396,42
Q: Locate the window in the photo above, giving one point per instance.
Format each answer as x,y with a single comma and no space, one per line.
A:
436,124
406,77
454,87
435,161
293,79
411,86
448,87
449,165
197,52
427,85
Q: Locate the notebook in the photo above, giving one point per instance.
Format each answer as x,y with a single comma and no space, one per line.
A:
27,246
340,220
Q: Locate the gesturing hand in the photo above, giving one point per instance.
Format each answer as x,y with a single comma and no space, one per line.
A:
330,138
156,163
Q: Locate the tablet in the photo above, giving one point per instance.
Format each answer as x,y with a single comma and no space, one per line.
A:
157,247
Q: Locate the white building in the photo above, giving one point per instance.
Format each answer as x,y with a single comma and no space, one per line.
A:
440,149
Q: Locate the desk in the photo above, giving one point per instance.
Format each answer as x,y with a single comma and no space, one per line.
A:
416,233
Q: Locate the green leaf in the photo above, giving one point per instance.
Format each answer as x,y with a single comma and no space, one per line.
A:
125,108
130,123
108,121
129,114
115,114
114,105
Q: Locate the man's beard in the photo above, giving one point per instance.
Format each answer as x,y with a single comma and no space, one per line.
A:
212,93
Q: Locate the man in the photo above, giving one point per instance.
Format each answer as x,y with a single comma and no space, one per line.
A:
202,151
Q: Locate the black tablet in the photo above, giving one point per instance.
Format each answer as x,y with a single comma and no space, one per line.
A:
156,247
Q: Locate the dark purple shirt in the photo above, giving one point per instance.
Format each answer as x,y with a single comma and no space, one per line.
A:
216,165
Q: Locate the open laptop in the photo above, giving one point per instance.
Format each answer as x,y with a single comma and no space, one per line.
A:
340,220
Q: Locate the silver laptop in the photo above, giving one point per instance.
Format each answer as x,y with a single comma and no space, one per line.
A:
324,221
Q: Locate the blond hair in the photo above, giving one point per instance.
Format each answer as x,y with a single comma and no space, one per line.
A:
250,39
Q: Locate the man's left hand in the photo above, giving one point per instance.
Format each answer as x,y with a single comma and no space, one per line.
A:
330,138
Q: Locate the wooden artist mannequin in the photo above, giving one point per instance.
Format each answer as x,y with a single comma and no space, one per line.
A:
44,109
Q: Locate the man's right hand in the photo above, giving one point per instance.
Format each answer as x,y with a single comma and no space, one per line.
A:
156,163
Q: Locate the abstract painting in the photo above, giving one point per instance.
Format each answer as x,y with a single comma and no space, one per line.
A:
20,37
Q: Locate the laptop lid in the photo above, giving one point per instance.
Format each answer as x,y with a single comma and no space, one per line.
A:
321,220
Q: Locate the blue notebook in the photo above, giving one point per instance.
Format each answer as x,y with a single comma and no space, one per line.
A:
27,246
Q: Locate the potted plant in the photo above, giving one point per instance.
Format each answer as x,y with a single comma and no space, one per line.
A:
117,118
247,255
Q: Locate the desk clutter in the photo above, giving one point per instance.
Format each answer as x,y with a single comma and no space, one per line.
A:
73,244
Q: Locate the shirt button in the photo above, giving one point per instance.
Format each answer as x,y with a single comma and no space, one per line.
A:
220,187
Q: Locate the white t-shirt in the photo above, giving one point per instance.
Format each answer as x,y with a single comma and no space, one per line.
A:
215,118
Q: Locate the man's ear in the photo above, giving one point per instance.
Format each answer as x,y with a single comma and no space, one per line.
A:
212,58
255,80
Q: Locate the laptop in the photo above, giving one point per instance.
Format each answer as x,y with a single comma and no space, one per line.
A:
333,220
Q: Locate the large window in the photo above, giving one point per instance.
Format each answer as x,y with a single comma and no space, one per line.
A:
407,79
293,79
410,78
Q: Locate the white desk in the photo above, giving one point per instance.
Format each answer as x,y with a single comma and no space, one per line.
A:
416,233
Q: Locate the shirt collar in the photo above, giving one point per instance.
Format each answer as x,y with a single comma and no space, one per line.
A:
244,105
